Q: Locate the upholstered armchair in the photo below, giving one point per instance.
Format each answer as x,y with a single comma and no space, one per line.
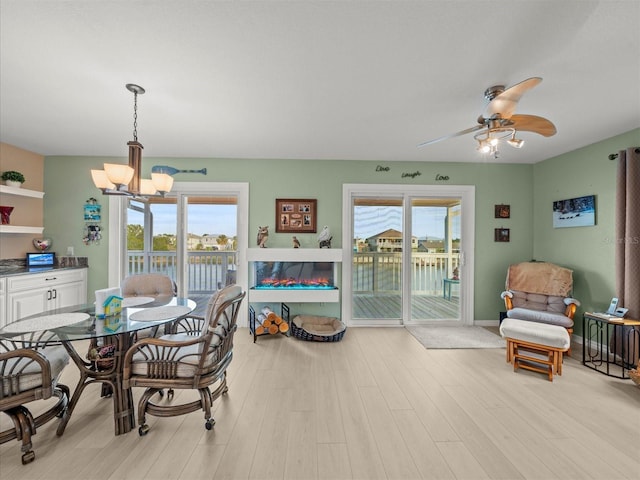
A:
540,292
191,359
30,372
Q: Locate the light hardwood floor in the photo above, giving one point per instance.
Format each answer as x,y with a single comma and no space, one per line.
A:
375,405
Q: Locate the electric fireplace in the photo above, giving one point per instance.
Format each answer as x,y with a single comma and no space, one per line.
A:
294,275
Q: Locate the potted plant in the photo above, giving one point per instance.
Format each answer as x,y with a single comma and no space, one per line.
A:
12,178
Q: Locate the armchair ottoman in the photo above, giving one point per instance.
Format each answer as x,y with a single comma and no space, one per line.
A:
540,292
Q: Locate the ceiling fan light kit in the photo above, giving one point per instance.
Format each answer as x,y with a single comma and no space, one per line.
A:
499,124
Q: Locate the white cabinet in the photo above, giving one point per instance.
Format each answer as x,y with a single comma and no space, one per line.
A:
38,292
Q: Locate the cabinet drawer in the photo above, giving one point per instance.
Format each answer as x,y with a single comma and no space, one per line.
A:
39,280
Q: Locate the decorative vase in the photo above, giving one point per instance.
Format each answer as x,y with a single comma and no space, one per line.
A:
12,183
42,244
5,213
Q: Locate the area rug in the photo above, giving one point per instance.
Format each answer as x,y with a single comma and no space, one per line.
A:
437,336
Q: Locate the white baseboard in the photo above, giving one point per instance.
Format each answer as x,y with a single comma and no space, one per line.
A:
486,323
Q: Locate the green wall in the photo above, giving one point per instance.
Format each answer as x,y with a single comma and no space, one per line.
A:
588,251
529,189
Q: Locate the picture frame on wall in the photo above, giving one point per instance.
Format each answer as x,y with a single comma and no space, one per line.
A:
501,235
296,215
502,211
575,212
92,213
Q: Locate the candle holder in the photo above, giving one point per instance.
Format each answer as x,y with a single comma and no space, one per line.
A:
5,213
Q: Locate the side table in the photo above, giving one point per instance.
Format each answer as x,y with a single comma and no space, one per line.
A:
446,287
599,331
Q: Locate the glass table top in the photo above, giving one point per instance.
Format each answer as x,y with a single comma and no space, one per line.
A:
79,322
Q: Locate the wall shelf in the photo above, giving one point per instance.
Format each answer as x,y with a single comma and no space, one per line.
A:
20,229
294,255
22,192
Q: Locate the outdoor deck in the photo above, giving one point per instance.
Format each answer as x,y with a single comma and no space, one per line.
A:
376,282
425,307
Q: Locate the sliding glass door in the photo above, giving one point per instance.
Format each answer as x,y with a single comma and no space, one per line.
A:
406,254
435,259
377,258
197,235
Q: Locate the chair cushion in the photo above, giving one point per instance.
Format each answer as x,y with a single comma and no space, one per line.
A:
533,332
549,318
537,301
227,293
147,285
31,376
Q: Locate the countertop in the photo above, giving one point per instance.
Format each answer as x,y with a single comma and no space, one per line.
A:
10,268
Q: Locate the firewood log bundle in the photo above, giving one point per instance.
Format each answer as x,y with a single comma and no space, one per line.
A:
269,322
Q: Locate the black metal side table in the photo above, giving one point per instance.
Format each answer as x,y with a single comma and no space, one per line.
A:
610,345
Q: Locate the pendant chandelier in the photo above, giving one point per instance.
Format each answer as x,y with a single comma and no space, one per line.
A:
121,179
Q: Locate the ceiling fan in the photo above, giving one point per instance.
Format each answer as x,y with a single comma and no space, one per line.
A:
498,122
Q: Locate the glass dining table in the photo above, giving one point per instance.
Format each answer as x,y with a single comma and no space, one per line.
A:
113,335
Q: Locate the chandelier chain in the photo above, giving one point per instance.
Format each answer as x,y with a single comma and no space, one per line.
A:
135,116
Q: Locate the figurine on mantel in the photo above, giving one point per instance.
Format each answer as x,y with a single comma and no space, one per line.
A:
324,239
263,236
296,242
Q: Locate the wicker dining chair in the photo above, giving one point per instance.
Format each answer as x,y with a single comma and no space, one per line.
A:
186,360
30,372
147,285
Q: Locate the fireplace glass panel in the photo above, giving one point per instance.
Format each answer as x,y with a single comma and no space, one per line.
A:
294,275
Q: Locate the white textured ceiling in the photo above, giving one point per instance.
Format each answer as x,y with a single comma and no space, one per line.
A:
365,80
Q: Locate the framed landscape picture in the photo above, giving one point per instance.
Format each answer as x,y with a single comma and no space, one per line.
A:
575,212
296,215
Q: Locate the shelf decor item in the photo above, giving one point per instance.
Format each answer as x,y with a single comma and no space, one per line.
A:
12,178
42,244
5,213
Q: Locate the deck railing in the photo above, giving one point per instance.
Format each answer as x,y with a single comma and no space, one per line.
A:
207,270
378,272
373,272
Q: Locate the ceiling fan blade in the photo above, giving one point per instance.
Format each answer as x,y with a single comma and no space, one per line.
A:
504,104
533,123
452,135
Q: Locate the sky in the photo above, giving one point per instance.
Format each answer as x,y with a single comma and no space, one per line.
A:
203,219
426,221
368,221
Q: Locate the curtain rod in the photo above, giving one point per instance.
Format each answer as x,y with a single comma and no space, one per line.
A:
613,156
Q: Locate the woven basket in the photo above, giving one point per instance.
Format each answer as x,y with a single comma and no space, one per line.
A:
302,334
100,363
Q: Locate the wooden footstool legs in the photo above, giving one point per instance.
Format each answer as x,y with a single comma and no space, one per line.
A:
525,339
517,354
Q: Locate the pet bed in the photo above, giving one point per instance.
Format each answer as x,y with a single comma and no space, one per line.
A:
317,329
